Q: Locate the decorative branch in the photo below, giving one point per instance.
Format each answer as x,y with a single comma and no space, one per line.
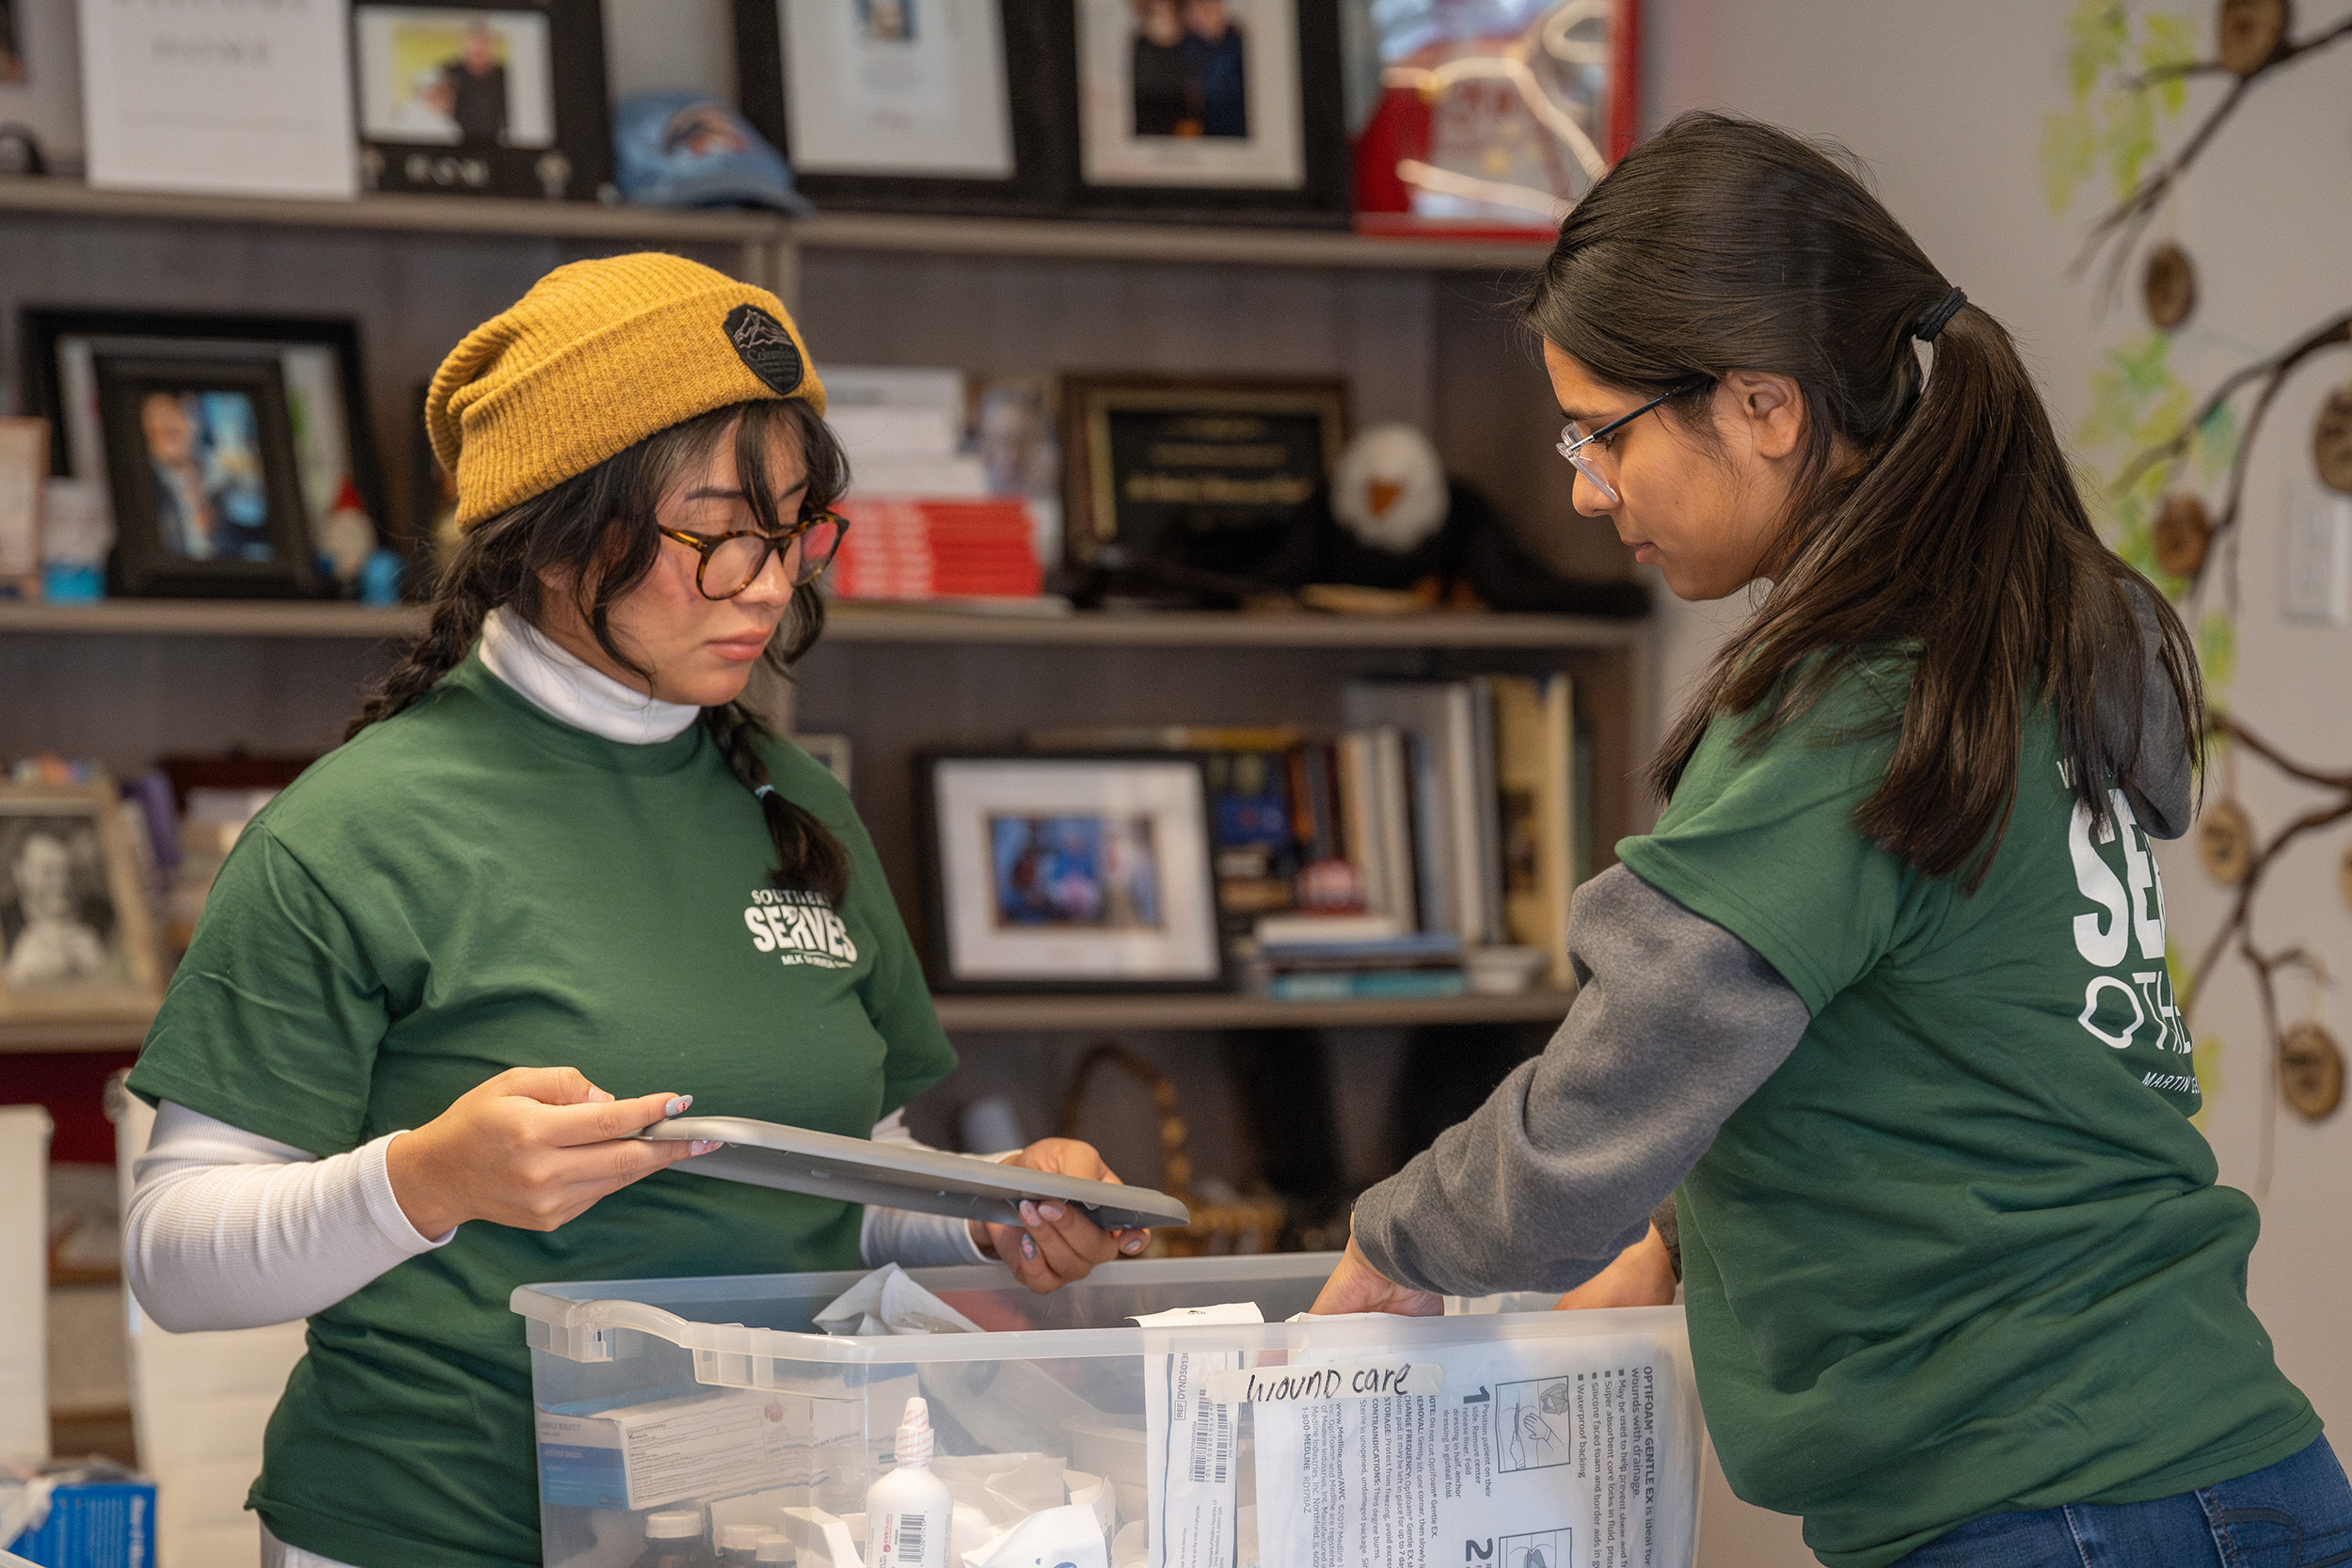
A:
2238,927
2272,372
2122,227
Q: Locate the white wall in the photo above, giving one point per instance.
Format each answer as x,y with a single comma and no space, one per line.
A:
1946,103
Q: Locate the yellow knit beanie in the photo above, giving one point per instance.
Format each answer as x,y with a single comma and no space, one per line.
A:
598,356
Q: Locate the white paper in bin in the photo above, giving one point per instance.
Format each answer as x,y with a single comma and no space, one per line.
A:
1053,1365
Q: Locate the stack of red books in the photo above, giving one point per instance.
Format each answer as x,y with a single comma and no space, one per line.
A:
907,548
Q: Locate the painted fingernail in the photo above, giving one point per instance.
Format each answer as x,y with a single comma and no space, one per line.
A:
1055,1213
676,1107
1030,1215
1028,1248
1133,1244
703,1146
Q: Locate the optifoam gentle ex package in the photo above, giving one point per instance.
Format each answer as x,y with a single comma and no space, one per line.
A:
708,1443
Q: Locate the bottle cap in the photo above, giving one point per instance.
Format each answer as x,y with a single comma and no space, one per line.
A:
740,1538
776,1548
914,1433
674,1523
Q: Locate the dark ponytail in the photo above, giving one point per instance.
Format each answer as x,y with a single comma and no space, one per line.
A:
1949,531
595,530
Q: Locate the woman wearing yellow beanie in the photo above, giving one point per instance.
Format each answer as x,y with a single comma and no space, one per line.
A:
556,885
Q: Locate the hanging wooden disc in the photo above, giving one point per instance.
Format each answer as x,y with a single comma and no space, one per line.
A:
2331,441
2182,531
2225,842
2311,1069
2250,32
2168,286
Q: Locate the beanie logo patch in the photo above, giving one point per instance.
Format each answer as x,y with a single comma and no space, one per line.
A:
765,348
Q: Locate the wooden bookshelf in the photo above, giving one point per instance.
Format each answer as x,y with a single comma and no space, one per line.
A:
1047,1015
979,1015
1073,239
878,624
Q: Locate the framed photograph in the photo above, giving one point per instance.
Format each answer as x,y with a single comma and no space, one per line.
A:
41,86
319,366
250,100
24,471
1205,475
76,939
1225,109
200,457
921,105
502,100
1069,873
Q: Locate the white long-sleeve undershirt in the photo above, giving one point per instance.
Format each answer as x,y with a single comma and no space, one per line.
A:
230,1229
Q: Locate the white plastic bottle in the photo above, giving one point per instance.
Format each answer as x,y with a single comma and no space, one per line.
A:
909,1511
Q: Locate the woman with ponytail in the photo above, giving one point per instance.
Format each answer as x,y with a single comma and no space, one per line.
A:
1882,1001
557,884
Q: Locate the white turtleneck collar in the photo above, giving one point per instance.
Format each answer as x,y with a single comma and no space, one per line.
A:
559,685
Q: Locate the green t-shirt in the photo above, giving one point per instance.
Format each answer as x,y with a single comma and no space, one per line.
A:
1963,1253
474,886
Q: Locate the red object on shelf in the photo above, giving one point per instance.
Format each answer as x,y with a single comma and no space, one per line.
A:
917,548
1625,79
1399,129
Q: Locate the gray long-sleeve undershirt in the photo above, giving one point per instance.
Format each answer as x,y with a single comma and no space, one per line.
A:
1676,1021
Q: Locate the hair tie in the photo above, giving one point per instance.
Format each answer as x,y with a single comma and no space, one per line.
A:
763,791
1934,320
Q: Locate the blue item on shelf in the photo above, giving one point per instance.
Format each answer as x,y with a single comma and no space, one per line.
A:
691,150
63,584
380,578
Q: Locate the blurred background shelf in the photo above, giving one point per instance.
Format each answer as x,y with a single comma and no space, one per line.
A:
1043,1015
861,623
1223,1011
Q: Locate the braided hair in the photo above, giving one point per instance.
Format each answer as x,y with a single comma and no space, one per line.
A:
595,531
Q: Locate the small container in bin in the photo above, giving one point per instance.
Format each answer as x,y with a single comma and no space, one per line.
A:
659,1394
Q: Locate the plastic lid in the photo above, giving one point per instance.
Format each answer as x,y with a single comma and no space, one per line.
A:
674,1523
914,1435
776,1548
740,1538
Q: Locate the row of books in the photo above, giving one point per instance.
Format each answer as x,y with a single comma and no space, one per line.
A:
1446,817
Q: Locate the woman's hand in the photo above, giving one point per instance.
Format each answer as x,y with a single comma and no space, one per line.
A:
1056,1245
1641,1276
1356,1285
530,1149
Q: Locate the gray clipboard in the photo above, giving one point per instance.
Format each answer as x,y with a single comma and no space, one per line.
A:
858,1170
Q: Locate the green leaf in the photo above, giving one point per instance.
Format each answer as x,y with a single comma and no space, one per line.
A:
2096,35
2070,150
2131,136
2216,648
2171,41
2217,442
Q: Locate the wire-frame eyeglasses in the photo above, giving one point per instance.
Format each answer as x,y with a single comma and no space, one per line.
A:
1574,437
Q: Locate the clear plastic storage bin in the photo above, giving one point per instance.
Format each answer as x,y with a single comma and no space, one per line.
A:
1528,1440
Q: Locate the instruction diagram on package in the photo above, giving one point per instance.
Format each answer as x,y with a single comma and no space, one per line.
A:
1570,1452
1548,1548
1531,1423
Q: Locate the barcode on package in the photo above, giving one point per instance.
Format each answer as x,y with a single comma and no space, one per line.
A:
1212,1443
911,1537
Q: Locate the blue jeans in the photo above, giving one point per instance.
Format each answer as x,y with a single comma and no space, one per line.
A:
2297,1514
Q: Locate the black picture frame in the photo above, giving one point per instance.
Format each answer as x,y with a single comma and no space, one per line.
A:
44,332
575,165
1325,197
953,967
1100,509
1041,122
145,563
